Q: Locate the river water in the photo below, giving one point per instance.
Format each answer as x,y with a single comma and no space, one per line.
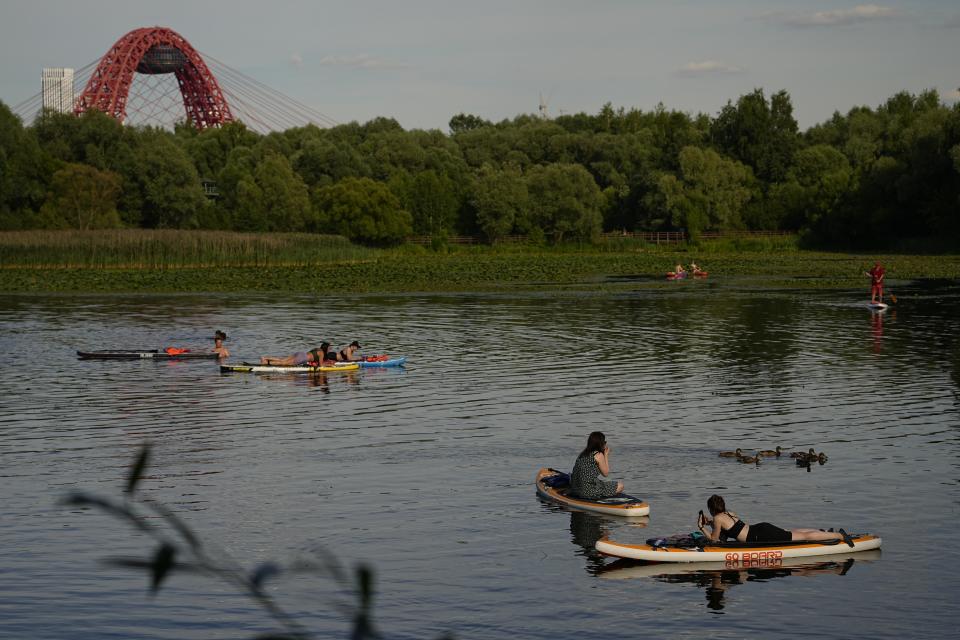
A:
426,473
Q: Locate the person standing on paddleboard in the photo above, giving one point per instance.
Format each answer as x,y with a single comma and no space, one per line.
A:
593,462
876,283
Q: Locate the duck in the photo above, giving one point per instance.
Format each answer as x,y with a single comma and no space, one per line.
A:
769,453
751,459
731,454
801,454
822,458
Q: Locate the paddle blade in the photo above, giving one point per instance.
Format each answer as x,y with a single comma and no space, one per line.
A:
893,298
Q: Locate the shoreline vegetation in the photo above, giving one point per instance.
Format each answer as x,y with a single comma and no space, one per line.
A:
864,180
164,261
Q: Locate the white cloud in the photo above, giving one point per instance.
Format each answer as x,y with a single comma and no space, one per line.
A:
836,17
707,67
950,96
296,60
362,61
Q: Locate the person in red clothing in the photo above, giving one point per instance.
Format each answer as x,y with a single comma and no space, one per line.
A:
876,282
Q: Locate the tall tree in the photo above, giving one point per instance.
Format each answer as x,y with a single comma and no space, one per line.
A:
82,197
708,194
362,210
762,135
284,195
565,202
24,171
500,199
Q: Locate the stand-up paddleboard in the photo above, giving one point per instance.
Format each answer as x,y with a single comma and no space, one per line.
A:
144,354
619,505
382,361
272,368
692,549
624,569
877,306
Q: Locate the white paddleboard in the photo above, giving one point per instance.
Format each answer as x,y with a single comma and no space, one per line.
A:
877,306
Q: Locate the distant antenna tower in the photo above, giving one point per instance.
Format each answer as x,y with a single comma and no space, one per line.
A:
543,107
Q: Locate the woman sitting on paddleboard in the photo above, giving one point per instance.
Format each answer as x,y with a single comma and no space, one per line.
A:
346,355
726,524
218,347
593,462
318,355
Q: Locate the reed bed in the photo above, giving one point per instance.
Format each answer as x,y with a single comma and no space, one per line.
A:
171,249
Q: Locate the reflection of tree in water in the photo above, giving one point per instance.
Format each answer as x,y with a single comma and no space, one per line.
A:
586,529
755,337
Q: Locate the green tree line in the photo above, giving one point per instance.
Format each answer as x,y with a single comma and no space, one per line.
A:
868,178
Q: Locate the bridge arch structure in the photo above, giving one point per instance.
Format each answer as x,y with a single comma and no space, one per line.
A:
155,50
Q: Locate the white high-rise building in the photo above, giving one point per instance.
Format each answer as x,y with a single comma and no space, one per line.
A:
58,89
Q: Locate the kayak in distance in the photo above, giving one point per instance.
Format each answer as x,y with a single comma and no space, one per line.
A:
696,547
672,275
554,485
146,354
246,367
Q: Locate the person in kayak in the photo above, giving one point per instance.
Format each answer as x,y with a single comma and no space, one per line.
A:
694,269
876,282
317,355
678,270
593,462
726,524
347,354
218,347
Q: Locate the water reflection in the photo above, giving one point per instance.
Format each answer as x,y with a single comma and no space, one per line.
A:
587,528
319,379
876,323
715,578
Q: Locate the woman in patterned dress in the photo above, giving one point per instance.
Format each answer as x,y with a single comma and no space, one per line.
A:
593,462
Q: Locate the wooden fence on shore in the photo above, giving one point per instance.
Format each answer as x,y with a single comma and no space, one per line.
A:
653,237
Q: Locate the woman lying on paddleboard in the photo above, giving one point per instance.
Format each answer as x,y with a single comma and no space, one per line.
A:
726,524
317,355
593,462
346,355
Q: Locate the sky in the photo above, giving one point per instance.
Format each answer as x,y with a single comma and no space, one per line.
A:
424,61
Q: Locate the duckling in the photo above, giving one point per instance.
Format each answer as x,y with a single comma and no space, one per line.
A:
751,459
805,459
731,454
769,453
822,458
801,454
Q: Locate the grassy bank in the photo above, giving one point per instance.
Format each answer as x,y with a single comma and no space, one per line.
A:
169,261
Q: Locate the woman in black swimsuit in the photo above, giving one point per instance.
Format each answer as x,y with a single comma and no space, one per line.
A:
345,355
726,524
